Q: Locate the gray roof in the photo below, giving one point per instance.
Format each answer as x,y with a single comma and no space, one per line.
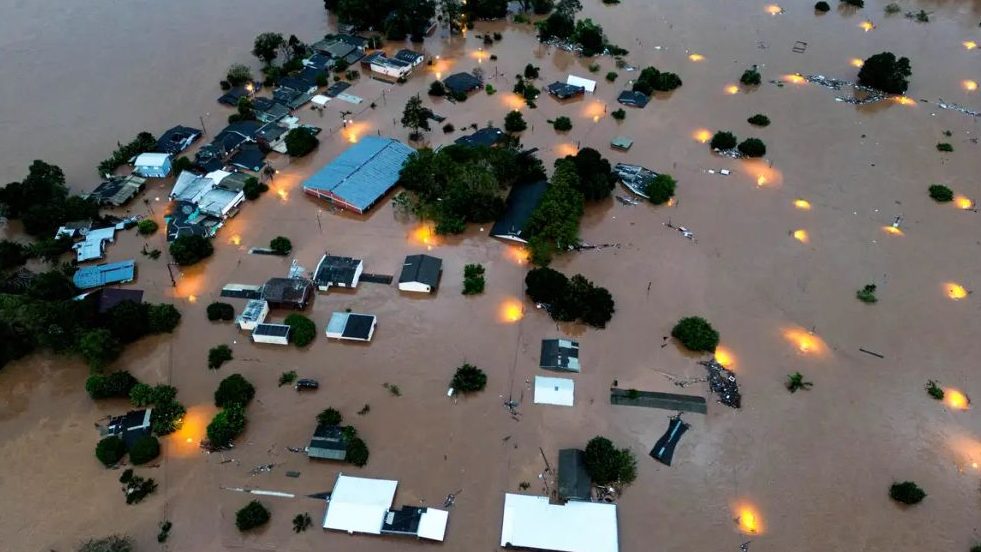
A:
287,290
521,202
632,98
563,91
274,330
328,443
462,82
487,136
574,481
560,354
424,269
362,174
118,190
334,270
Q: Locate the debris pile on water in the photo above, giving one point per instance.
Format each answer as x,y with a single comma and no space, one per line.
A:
723,382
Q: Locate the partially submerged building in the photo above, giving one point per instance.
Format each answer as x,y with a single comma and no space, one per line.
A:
531,522
462,83
555,391
485,137
633,99
90,277
107,298
328,443
522,201
177,139
360,176
574,480
254,313
287,293
130,426
152,165
275,334
420,273
351,326
561,355
363,505
93,244
117,190
334,271
203,203
388,68
564,91
588,85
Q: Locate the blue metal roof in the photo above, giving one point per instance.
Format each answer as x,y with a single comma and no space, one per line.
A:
363,173
104,274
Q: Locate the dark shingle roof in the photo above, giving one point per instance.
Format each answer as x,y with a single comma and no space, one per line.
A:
421,268
272,330
328,443
631,98
177,139
574,481
336,270
462,82
358,326
487,136
521,202
287,290
564,91
110,297
560,354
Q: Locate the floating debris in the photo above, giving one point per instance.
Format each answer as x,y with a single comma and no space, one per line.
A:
634,177
723,382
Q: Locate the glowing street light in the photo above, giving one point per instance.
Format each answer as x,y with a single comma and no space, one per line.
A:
867,25
856,62
963,202
696,57
970,85
969,44
725,356
702,135
732,89
894,230
801,236
774,9
802,204
956,399
955,291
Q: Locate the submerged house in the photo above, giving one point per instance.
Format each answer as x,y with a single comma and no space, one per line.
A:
522,201
363,505
561,355
275,334
531,522
555,391
130,426
633,99
107,298
391,68
485,137
328,443
409,56
177,139
207,195
360,176
287,293
351,326
93,244
574,480
152,165
462,83
420,273
254,313
117,190
333,271
564,91
90,277
268,110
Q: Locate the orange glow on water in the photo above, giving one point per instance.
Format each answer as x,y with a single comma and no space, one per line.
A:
517,254
424,234
894,230
806,342
963,202
732,89
774,9
480,55
802,236
802,204
856,62
760,180
866,26
184,442
966,449
696,57
354,131
513,101
796,78
762,173
970,85
905,100
955,291
956,399
235,240
564,148
594,110
725,356
969,44
748,519
702,135
511,311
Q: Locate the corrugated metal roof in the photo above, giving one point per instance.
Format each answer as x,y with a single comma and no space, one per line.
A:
363,173
104,274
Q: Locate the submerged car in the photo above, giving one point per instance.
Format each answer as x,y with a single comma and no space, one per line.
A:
304,384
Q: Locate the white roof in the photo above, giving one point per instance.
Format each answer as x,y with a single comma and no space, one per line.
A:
92,247
151,159
531,522
190,187
589,85
359,504
432,524
558,391
218,201
320,100
217,176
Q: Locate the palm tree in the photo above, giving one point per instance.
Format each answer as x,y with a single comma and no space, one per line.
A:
796,381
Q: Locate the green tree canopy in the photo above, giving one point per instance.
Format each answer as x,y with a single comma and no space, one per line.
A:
606,464
469,379
252,515
302,330
188,250
696,334
266,46
885,72
234,389
226,425
300,142
110,450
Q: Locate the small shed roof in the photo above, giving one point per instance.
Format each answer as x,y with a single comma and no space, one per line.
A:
333,270
560,354
557,391
255,311
104,274
622,143
408,56
424,269
272,330
574,481
328,443
432,524
359,504
117,190
152,160
363,173
522,201
531,522
587,84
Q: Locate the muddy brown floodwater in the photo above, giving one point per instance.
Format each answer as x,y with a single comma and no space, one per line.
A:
811,469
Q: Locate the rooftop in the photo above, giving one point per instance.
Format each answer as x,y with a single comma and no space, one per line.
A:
424,269
272,330
362,174
462,82
531,522
333,270
487,136
574,481
110,297
359,504
117,191
104,274
287,290
177,139
349,325
328,443
564,91
560,354
521,202
556,391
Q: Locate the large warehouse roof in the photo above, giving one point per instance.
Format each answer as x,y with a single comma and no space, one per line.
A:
361,175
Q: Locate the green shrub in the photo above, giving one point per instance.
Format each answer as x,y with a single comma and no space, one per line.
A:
287,378
162,318
593,67
99,348
188,250
723,140
606,464
562,124
114,543
116,385
906,492
281,245
751,77
220,311
822,7
893,8
110,450
759,120
226,426
854,3
514,122
253,515
300,142
330,417
469,379
935,390
941,193
357,452
867,294
696,334
531,72
145,448
943,146
660,189
611,76
489,89
651,80
752,147
234,389
139,488
218,356
147,227
252,188
301,522
141,395
619,114
302,330
448,128
473,279
885,72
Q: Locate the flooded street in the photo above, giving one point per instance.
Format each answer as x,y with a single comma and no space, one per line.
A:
813,468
